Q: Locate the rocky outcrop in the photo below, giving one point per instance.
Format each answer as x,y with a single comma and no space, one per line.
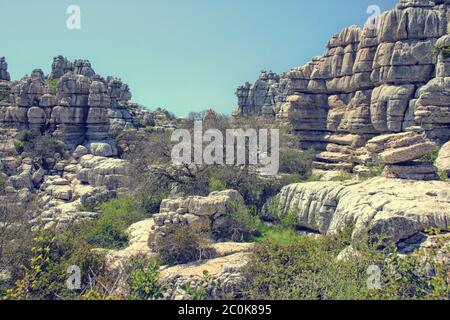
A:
392,209
402,155
4,74
210,214
72,103
370,82
224,281
265,96
85,112
223,267
443,160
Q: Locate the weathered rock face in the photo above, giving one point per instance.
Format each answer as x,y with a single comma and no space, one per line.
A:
398,209
443,160
4,75
370,82
264,96
403,154
224,270
207,214
73,103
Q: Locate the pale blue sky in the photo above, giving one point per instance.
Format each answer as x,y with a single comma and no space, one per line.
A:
183,55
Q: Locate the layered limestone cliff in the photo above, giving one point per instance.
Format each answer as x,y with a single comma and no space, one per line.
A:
370,82
72,103
85,112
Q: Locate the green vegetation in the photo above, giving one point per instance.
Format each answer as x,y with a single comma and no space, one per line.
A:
292,266
53,85
200,290
43,272
444,50
294,161
343,176
23,141
443,175
242,224
149,129
41,147
432,156
109,230
216,185
143,281
182,244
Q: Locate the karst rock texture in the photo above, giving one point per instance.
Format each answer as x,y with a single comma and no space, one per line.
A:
85,114
72,103
391,209
386,78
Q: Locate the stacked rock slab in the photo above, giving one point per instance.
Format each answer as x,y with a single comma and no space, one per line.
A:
371,81
72,103
210,215
265,96
401,155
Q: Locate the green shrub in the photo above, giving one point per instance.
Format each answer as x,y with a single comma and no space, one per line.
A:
287,265
296,162
374,171
343,176
23,141
242,224
149,129
216,185
444,50
44,273
443,175
432,156
41,147
53,85
109,231
182,244
200,290
286,220
143,281
45,146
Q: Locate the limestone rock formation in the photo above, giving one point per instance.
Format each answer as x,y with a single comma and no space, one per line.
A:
369,82
207,214
443,160
402,154
223,268
4,74
72,103
394,209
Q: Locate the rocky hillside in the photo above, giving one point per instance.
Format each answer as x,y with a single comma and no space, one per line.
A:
84,113
370,82
84,171
72,103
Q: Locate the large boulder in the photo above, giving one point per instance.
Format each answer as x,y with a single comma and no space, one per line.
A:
392,208
209,214
443,160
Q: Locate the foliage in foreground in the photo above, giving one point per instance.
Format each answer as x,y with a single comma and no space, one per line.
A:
44,274
291,266
143,281
109,230
182,244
